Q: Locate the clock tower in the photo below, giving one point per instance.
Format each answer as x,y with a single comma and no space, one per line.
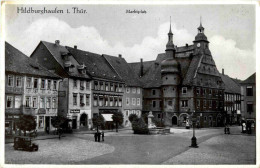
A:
201,41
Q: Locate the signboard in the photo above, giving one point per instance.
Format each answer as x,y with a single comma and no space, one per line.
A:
42,111
75,111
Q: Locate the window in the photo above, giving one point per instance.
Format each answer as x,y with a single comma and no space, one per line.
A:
95,98
75,84
101,85
87,99
75,96
127,90
210,103
18,81
249,107
41,122
153,92
100,100
10,81
35,83
111,87
81,83
54,85
34,102
28,82
198,103
17,101
204,103
48,102
107,87
120,102
42,103
133,90
138,102
115,101
221,104
126,112
43,84
111,100
27,101
87,85
154,103
138,90
159,115
127,101
9,102
120,88
249,91
133,101
49,85
116,87
184,90
81,100
216,93
217,104
54,102
210,91
205,118
184,103
204,92
198,91
170,103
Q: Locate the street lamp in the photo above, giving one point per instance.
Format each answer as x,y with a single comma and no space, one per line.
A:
194,139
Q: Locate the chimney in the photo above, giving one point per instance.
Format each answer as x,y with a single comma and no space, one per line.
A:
187,45
75,47
119,55
57,42
142,68
222,71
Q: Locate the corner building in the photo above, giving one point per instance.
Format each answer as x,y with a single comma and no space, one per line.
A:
181,82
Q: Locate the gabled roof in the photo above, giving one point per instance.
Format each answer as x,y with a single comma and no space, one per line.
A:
17,62
96,65
57,51
250,80
123,70
230,85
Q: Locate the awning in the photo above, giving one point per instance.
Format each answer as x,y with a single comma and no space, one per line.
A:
107,117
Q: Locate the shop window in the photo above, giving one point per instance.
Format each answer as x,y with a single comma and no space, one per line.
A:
35,83
41,122
42,102
43,84
75,97
49,85
184,90
184,103
87,99
54,85
18,81
34,102
48,102
54,103
127,101
138,102
9,102
10,81
17,101
249,91
28,82
133,101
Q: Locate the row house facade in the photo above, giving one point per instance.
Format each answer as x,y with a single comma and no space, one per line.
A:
30,89
248,93
183,82
232,99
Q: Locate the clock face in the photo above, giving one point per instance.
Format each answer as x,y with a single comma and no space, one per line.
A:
198,45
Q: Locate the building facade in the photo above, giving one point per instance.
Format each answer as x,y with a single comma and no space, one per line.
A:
248,92
183,82
30,89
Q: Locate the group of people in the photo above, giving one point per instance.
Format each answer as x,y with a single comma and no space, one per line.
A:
247,127
99,134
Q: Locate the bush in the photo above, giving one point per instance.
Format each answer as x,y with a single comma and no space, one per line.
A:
139,126
158,123
145,117
132,117
118,119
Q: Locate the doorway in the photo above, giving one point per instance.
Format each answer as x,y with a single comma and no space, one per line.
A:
84,120
74,123
174,120
47,124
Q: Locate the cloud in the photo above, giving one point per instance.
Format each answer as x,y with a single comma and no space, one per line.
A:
236,62
224,51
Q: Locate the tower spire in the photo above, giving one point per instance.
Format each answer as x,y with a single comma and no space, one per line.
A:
170,45
170,32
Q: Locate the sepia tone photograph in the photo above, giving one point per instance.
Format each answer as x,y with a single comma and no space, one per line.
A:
129,84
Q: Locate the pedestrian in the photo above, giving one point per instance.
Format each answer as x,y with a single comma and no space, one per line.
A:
243,127
103,135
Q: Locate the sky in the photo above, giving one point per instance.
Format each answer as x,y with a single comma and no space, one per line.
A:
109,29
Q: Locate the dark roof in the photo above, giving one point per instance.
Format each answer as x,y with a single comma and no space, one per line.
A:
57,51
96,65
250,80
230,85
123,70
17,62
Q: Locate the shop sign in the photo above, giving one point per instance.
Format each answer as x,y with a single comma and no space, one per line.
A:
42,111
9,116
75,111
15,116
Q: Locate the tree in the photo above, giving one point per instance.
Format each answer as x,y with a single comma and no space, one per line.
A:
26,123
98,120
132,117
58,121
139,126
118,119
